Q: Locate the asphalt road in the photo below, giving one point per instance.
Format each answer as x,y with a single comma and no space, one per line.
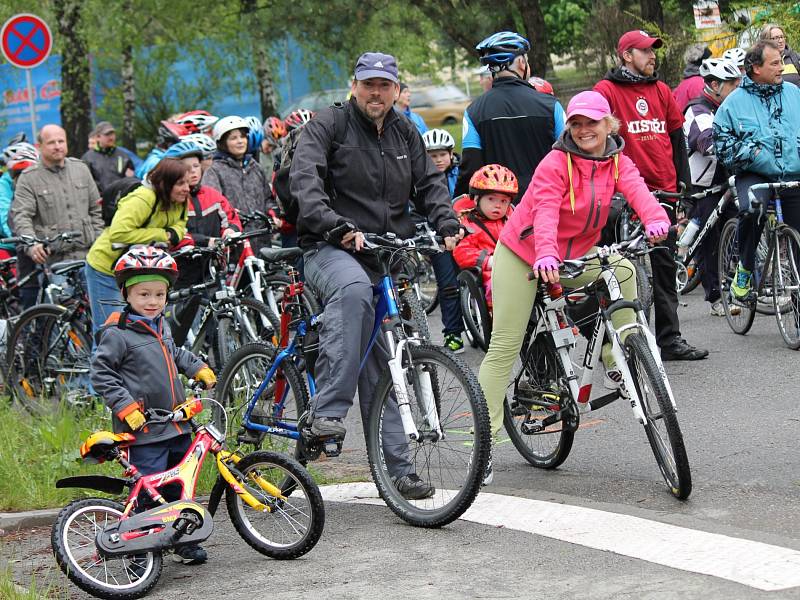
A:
738,411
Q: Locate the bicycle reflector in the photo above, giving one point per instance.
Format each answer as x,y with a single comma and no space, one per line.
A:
189,409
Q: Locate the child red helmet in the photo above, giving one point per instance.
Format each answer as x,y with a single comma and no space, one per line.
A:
145,260
493,178
275,128
541,85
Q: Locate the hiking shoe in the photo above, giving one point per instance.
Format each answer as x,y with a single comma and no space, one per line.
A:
328,427
411,487
612,380
192,554
740,288
718,309
680,349
454,343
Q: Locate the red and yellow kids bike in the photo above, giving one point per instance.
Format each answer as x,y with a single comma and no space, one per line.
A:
114,550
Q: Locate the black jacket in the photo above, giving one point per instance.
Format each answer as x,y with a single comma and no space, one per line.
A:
107,165
516,125
371,177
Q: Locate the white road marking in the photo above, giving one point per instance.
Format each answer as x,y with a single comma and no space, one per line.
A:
754,564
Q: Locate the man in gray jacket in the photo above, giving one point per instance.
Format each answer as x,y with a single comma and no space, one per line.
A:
363,179
56,195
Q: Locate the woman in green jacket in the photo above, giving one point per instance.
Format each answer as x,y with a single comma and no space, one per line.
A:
154,212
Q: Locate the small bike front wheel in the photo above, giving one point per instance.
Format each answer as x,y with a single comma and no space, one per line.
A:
661,424
73,541
294,515
537,380
440,472
786,285
738,314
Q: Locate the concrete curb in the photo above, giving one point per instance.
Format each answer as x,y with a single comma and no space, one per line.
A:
10,522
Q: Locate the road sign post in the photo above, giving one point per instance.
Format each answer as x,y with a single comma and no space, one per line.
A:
26,41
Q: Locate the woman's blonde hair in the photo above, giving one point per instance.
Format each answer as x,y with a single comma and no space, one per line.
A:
613,123
766,31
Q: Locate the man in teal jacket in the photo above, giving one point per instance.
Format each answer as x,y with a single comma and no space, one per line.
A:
756,132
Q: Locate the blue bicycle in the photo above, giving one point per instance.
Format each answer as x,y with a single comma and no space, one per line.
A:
443,430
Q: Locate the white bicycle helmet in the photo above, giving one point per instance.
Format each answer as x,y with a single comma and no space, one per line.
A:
205,143
226,124
438,139
719,68
20,151
197,121
735,55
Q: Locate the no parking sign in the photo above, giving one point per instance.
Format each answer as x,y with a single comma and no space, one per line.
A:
26,41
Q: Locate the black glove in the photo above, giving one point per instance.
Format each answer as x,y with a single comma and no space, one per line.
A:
174,240
450,229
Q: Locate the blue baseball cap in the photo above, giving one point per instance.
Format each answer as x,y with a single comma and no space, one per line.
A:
375,64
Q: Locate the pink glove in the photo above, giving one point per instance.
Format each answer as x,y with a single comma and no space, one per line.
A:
657,229
546,263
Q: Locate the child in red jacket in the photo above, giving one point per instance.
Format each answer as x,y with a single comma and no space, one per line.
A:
483,213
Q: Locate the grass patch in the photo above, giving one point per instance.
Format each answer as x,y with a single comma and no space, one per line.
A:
9,590
455,131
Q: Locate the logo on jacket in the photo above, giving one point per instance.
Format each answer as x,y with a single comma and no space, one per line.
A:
641,106
402,156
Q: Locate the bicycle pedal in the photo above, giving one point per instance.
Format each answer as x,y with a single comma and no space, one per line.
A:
332,447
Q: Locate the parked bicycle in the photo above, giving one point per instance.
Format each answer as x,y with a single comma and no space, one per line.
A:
445,425
114,550
546,397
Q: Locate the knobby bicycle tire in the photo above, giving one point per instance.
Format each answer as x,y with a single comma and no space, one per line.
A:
233,333
413,315
49,359
475,312
539,372
670,453
299,511
786,284
728,261
243,373
644,287
72,559
457,476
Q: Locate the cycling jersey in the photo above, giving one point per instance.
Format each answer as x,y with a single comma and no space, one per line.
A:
697,127
512,125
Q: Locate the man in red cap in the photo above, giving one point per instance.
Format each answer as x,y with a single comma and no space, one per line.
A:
652,127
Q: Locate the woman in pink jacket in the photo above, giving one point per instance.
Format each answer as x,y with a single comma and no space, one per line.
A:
560,217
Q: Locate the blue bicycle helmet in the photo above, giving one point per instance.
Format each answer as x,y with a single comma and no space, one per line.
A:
255,134
500,49
184,150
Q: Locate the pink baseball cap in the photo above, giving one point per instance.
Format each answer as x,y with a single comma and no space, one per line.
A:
588,104
637,39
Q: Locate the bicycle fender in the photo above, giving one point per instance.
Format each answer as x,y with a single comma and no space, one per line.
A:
216,494
102,483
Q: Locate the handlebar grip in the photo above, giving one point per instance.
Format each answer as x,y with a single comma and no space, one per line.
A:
335,235
11,240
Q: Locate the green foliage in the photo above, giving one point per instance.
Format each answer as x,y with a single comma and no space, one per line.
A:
785,14
10,591
565,20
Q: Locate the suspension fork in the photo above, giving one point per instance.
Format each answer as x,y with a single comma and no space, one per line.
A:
398,372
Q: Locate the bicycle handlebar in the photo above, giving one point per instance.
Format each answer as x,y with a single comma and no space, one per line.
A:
574,266
778,186
30,240
683,195
183,412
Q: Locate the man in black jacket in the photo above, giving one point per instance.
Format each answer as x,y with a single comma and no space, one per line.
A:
511,124
359,164
107,162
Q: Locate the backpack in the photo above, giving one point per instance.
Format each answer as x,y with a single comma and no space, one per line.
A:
112,194
283,196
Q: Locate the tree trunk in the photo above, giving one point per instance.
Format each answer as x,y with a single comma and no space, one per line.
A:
533,18
128,100
261,59
76,106
653,12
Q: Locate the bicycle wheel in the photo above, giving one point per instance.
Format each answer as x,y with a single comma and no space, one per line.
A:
275,285
454,463
48,359
425,285
283,400
294,519
764,305
786,285
413,315
476,315
538,378
728,265
694,279
72,539
661,426
644,286
242,323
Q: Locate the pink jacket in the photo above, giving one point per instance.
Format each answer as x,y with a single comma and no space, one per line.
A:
561,215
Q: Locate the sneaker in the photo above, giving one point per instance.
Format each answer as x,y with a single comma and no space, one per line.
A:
680,349
328,427
488,473
740,288
718,309
454,343
612,379
193,554
413,488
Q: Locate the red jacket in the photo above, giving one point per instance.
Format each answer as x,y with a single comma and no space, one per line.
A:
567,203
210,214
482,234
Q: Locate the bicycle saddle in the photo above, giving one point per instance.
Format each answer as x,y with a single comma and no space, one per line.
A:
273,255
65,266
98,446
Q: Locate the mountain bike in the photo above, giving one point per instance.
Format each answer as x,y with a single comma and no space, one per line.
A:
445,425
114,550
776,276
546,397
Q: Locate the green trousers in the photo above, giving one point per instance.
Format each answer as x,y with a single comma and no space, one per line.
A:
513,297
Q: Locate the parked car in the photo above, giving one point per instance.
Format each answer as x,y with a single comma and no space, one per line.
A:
316,100
440,105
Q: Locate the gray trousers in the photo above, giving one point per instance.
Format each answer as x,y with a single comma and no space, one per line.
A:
345,289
